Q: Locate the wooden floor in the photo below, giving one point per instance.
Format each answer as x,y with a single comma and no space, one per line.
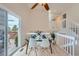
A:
41,52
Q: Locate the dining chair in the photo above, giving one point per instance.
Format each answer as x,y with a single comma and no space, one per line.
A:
27,43
32,43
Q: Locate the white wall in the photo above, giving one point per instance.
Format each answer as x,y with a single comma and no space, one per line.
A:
73,13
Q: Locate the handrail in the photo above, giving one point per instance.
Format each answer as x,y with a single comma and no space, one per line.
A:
66,36
66,42
73,22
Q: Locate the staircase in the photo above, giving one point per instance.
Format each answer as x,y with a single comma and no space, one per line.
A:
66,42
67,38
70,36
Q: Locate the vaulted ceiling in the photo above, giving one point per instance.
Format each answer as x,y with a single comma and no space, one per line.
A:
56,8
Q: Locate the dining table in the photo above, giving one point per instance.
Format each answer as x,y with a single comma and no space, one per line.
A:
41,40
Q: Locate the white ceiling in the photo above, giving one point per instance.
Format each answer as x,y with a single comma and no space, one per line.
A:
57,8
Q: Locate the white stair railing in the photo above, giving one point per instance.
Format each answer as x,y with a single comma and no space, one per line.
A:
70,39
66,42
72,27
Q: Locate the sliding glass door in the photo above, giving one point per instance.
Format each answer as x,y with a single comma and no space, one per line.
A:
13,33
3,40
9,33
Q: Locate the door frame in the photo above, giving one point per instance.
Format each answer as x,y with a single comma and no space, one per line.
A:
19,33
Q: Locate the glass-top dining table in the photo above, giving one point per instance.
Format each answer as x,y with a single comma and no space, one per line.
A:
39,40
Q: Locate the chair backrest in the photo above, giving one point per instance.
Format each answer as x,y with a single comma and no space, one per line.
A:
33,36
53,35
44,36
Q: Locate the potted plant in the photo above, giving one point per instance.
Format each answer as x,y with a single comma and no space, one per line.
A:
16,41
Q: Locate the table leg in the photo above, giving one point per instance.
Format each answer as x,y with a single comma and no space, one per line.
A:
36,51
50,46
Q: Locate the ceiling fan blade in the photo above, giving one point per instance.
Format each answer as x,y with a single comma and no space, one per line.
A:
34,6
46,6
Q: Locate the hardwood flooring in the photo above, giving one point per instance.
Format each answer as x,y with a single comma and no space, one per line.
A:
56,51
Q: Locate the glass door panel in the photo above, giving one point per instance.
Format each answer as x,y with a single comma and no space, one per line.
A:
3,17
12,32
9,33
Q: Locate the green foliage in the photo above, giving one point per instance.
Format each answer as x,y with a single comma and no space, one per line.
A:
16,41
15,28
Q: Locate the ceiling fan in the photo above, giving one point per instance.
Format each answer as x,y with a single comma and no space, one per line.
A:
45,5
